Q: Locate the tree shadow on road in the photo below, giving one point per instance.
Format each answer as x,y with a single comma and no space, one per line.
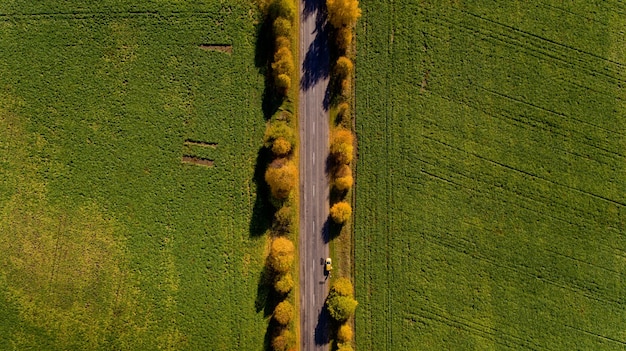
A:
322,329
316,59
312,6
326,230
331,230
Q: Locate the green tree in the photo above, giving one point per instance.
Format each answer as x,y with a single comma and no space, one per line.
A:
283,8
283,219
283,83
282,27
283,313
344,67
278,129
283,62
341,307
284,284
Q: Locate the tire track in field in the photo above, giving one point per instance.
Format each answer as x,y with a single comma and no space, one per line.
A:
497,335
389,145
542,126
576,14
553,112
589,88
531,45
544,214
462,248
364,331
542,201
599,336
525,174
573,288
532,42
604,152
548,214
108,14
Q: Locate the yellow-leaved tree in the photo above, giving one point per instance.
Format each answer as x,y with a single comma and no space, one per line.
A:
281,176
283,313
341,212
281,255
343,13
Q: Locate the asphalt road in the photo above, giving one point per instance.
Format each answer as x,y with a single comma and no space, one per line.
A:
313,119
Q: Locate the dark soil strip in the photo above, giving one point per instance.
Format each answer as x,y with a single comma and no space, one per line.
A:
200,143
197,161
218,47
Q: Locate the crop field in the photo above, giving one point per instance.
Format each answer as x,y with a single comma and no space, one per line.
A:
491,175
129,133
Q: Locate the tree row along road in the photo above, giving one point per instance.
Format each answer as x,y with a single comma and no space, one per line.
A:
314,194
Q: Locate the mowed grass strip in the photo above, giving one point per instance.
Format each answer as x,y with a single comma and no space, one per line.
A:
109,241
491,176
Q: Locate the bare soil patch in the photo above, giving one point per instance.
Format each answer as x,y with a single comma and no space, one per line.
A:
197,161
227,48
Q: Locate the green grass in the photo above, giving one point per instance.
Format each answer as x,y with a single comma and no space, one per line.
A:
109,241
491,175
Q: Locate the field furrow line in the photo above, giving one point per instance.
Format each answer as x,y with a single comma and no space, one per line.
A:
108,14
533,48
580,191
596,335
540,195
589,88
553,112
538,124
570,257
363,243
566,11
574,288
483,187
389,148
540,39
496,335
553,251
529,174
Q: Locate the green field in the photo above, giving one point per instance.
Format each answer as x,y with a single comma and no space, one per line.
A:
491,179
108,240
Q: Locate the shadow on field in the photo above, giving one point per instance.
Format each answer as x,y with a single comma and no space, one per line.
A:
263,56
262,211
266,300
316,59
